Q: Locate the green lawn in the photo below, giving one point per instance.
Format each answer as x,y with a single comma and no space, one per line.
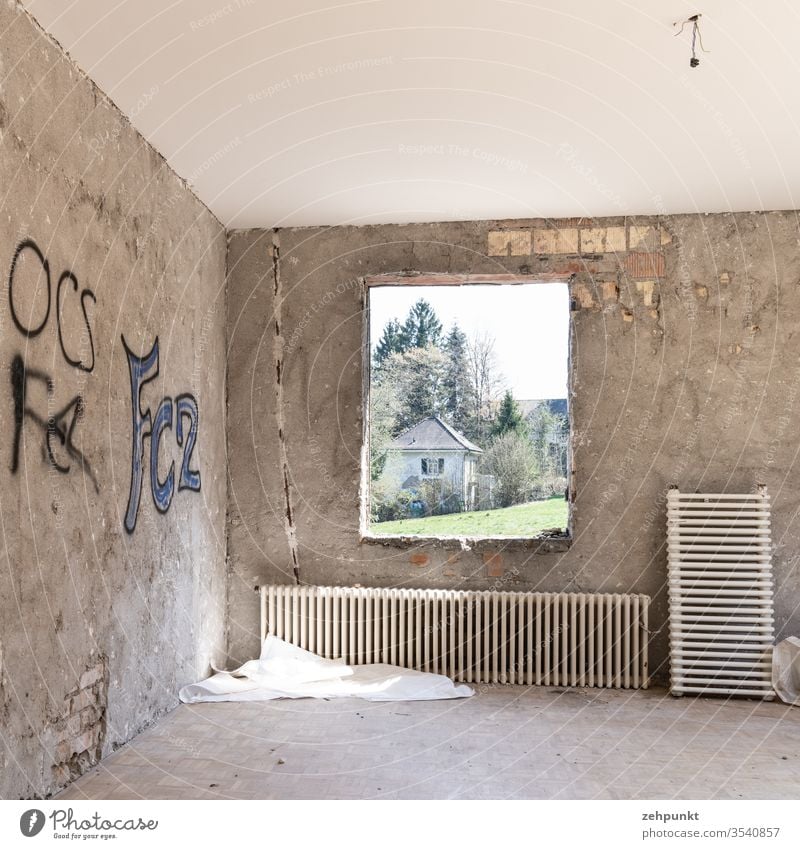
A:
521,520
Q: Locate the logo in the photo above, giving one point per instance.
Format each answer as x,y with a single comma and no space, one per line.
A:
31,822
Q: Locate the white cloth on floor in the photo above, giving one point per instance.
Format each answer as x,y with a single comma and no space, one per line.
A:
285,671
786,670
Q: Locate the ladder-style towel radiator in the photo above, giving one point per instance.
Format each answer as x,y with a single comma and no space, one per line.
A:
564,639
720,593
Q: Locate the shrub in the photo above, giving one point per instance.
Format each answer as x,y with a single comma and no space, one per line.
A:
384,509
512,462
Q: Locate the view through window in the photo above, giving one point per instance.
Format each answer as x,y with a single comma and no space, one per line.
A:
469,433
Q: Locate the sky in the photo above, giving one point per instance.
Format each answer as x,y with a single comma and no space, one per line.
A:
530,324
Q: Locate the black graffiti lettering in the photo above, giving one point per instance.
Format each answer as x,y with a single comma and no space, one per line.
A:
65,277
28,245
86,293
56,427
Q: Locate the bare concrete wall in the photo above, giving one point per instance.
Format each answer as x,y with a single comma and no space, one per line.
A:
685,371
99,624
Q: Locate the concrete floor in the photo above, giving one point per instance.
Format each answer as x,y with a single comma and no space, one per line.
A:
505,742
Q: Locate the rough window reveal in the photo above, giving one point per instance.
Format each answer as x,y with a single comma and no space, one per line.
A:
468,426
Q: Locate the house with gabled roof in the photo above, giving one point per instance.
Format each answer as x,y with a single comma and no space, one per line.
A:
431,451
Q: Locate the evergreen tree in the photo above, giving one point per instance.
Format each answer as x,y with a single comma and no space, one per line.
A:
389,343
456,385
417,379
509,417
421,327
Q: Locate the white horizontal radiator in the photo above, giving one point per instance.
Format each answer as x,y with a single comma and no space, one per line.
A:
720,593
565,639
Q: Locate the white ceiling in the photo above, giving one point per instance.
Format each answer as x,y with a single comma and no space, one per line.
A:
311,112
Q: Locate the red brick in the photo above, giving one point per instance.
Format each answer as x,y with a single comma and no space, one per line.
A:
419,558
494,564
645,264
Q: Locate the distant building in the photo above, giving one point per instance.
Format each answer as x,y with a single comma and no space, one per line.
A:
433,452
557,406
548,424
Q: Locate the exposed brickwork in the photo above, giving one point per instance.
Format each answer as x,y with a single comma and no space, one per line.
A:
610,290
645,264
82,726
509,243
600,240
646,238
552,241
583,296
646,288
494,564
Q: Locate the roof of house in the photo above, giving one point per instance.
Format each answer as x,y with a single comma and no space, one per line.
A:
556,405
432,434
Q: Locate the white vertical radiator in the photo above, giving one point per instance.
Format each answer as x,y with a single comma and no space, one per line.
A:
720,593
565,639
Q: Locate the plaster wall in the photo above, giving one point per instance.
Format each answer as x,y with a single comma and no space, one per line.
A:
99,240
685,370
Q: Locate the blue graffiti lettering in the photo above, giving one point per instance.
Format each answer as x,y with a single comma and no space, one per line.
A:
142,425
162,491
186,406
145,426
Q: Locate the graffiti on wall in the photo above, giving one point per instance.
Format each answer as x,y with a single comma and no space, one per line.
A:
56,429
40,409
180,415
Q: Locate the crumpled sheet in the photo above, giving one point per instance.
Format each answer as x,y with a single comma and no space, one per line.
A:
786,670
285,671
